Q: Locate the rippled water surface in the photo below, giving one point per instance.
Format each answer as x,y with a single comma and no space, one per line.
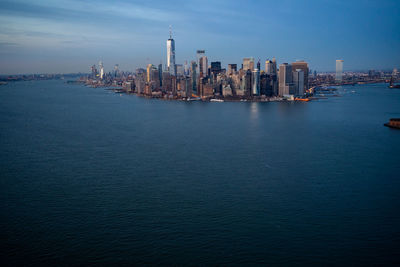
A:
93,177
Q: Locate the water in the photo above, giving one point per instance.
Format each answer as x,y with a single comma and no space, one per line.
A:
93,177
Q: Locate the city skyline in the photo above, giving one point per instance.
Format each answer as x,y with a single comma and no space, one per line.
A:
52,37
201,81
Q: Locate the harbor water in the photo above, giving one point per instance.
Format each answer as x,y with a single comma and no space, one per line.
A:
89,176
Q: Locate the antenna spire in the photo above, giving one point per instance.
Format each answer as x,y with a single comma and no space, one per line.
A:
170,31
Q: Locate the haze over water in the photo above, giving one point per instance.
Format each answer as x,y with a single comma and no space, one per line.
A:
89,176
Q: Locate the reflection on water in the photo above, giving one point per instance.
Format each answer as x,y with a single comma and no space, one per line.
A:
254,110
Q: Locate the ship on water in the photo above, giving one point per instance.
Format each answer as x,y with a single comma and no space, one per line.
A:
392,85
393,123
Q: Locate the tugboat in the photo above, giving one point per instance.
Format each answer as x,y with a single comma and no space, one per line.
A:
302,99
393,123
393,86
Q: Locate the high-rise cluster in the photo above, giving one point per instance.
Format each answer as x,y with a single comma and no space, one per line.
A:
203,79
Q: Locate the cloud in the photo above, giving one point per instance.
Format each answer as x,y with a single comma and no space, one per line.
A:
127,30
88,10
8,44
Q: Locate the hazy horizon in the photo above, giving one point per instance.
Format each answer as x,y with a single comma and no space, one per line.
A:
70,36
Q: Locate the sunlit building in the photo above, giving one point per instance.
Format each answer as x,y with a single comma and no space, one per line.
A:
339,70
248,63
232,68
274,71
302,65
171,54
268,67
255,82
148,71
101,70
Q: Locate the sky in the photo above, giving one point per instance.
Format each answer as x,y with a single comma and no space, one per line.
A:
68,36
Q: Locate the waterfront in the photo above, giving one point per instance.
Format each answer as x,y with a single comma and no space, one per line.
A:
90,176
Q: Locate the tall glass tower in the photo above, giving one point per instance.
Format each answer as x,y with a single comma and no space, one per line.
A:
199,55
285,79
339,70
256,80
268,67
101,70
171,54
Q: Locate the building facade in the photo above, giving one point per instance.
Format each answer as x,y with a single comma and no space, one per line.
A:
339,71
302,65
298,82
255,79
248,63
171,55
285,79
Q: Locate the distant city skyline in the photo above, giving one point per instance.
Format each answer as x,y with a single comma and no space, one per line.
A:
68,36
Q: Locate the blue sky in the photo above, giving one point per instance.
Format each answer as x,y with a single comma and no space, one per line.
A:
71,35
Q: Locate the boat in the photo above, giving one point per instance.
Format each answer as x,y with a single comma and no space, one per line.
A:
193,99
393,86
216,100
393,123
302,99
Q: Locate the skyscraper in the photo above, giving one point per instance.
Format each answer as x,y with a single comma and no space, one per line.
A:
94,71
186,68
274,66
274,77
116,70
179,69
154,78
140,81
203,66
302,65
101,70
232,68
298,81
166,82
171,54
266,84
149,67
255,90
247,83
248,63
285,79
160,73
194,76
199,55
216,67
339,70
268,67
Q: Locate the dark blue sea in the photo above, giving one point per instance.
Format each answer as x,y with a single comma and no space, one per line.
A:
91,177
